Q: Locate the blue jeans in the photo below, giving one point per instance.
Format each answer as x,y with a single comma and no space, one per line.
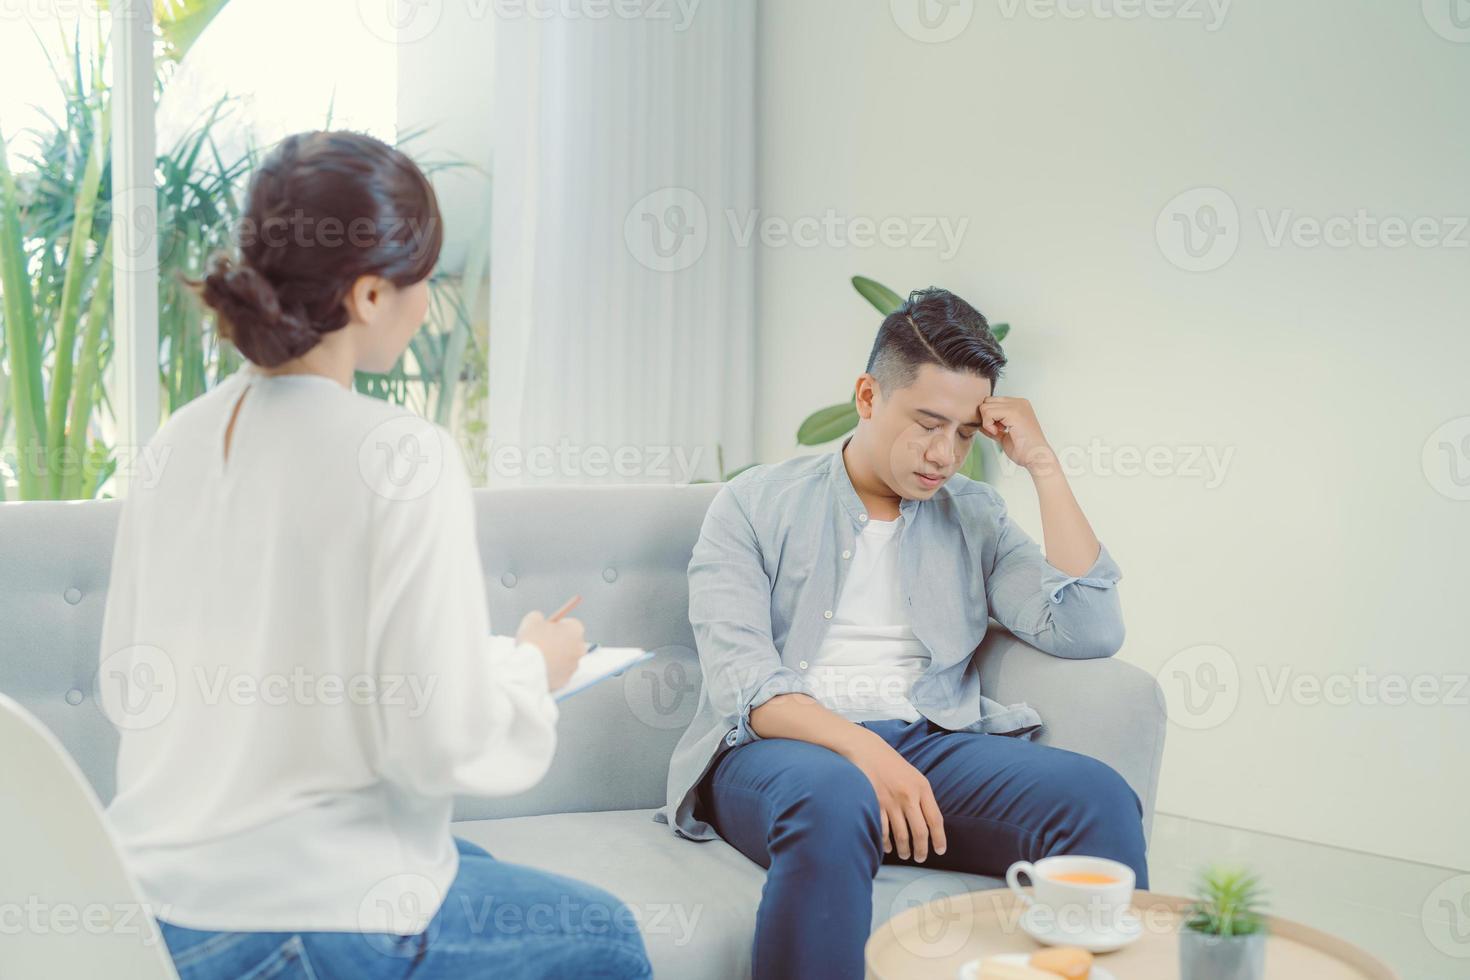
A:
811,818
559,928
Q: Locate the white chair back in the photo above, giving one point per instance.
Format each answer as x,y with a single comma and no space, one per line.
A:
68,906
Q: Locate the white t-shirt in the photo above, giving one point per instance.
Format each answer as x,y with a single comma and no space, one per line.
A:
297,651
870,657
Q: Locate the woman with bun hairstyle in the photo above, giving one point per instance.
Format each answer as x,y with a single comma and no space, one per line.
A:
297,615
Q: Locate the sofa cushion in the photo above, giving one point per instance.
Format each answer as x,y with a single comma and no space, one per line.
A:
696,902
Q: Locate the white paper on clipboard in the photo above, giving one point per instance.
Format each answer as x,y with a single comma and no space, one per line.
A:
599,665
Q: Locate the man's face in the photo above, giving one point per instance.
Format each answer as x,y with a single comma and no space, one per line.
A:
920,435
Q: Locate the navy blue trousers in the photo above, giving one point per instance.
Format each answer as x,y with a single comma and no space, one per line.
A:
811,818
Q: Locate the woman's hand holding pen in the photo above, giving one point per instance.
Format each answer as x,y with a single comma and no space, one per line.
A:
562,641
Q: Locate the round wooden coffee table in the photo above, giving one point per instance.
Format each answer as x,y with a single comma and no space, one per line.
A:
933,941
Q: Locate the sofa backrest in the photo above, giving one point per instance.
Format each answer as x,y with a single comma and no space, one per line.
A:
625,550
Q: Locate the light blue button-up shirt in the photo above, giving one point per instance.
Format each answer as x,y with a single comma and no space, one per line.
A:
770,564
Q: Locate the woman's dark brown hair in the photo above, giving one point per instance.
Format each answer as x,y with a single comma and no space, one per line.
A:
323,209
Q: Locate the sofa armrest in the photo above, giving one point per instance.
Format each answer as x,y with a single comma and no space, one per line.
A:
1108,709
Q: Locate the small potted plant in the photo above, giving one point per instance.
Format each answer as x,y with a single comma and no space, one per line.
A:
1224,934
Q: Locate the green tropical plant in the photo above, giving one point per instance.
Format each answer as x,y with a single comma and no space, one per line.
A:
56,271
835,421
21,339
180,22
1228,902
56,274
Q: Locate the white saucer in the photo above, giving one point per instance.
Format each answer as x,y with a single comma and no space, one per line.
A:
971,970
1050,933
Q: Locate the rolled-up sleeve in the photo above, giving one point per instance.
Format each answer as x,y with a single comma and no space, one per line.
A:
1074,616
730,611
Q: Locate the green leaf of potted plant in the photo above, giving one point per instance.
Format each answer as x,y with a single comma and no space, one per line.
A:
1224,933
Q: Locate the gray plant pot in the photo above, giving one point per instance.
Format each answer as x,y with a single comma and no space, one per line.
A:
1203,956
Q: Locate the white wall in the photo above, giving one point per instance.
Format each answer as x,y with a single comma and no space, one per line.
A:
1322,371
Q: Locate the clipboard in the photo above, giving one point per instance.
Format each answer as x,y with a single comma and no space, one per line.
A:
598,665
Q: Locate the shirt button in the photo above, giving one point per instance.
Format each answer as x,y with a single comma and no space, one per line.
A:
847,554
862,517
827,614
802,665
731,738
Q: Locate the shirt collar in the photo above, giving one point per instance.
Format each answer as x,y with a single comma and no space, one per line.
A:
847,495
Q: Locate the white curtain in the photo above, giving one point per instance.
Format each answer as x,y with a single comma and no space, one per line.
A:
622,336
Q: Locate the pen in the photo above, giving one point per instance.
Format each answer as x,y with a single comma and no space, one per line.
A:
567,607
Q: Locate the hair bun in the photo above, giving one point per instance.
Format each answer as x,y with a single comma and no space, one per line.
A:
251,315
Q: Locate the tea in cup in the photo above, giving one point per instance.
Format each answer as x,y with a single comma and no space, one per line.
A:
1075,895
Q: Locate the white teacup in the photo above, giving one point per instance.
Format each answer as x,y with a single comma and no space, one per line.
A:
1079,906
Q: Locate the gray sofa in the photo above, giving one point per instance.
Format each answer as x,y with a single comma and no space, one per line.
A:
625,550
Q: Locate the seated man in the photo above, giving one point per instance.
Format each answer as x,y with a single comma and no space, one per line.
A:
837,601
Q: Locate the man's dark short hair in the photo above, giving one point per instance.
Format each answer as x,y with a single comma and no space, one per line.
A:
934,326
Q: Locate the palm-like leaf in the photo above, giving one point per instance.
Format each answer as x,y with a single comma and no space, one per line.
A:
69,309
826,424
884,300
22,342
180,22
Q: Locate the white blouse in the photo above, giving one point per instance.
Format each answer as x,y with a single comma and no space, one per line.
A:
297,653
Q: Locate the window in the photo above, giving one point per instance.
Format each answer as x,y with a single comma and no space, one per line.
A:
85,381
